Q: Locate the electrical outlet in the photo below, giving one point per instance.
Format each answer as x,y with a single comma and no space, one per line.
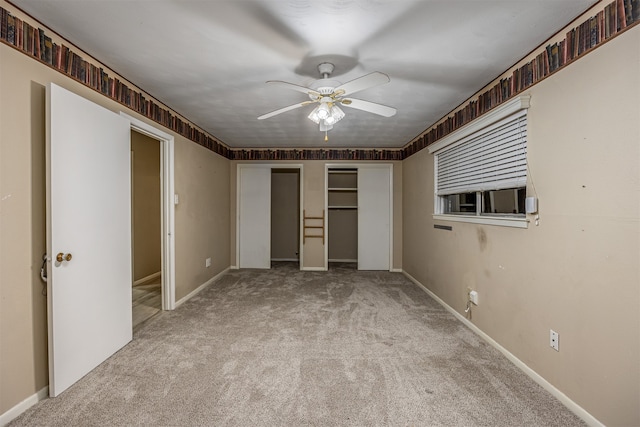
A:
473,297
207,262
554,340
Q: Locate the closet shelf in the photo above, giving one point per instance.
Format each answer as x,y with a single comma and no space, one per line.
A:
342,189
343,207
343,171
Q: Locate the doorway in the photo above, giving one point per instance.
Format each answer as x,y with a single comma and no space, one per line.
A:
146,228
89,263
163,143
285,216
359,200
254,212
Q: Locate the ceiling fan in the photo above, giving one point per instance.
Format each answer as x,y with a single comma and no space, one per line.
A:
329,94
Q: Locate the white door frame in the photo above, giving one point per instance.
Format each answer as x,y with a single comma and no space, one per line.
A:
298,166
167,207
356,166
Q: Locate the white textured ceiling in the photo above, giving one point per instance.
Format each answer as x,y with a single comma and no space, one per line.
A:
209,60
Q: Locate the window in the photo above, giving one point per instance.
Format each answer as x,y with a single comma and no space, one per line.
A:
464,203
481,170
503,202
509,202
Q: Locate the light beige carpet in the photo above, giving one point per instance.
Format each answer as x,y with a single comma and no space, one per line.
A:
289,348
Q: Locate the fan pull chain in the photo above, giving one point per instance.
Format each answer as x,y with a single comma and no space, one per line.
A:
326,138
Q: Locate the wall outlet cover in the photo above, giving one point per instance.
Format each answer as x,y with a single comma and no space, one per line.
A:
554,340
473,297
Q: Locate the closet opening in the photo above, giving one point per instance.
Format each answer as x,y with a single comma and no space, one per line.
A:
285,217
359,227
342,220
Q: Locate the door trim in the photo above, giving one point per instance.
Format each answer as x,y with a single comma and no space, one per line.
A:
167,209
271,166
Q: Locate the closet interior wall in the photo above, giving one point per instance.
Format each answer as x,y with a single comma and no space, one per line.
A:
285,215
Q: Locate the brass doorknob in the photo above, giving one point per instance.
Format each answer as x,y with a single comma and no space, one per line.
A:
62,257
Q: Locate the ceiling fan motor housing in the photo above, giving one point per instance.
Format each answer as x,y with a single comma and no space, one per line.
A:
325,69
324,87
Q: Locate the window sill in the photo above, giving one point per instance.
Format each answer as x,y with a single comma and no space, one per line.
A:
487,220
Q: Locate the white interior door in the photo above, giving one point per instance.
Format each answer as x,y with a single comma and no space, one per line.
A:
89,225
374,217
254,216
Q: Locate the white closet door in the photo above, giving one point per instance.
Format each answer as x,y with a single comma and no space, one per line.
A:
374,217
254,216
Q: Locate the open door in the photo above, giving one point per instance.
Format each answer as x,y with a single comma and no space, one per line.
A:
88,236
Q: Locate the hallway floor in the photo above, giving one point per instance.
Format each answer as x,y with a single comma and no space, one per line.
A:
146,301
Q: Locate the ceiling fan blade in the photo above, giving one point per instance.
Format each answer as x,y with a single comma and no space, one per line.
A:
365,82
292,86
370,107
285,109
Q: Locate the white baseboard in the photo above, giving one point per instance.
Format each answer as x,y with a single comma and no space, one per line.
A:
396,270
313,269
234,267
17,410
285,259
563,398
201,287
146,279
342,260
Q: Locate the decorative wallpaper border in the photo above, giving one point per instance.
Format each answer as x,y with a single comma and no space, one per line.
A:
36,43
616,17
317,154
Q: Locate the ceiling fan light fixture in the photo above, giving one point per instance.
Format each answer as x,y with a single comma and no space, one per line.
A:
336,113
324,127
323,111
314,116
327,93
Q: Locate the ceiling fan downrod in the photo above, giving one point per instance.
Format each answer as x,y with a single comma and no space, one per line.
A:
326,68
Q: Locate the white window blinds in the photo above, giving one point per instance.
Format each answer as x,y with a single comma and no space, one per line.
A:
490,159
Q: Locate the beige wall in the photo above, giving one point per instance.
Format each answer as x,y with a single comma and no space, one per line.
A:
147,216
313,184
202,218
23,343
578,271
